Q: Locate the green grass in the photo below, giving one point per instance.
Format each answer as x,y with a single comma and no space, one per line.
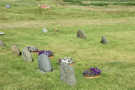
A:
23,26
101,2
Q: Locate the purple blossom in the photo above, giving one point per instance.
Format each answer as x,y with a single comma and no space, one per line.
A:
92,72
41,52
48,53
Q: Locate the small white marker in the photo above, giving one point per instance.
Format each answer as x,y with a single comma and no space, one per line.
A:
45,30
2,33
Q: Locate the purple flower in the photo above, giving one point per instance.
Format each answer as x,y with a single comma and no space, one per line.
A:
40,52
48,53
96,71
85,72
92,72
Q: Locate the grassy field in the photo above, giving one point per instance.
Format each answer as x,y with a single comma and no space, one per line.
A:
101,2
23,25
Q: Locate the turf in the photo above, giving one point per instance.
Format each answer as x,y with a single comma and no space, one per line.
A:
23,24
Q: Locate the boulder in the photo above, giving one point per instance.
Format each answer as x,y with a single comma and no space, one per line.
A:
44,30
44,63
81,34
8,6
104,40
67,74
2,33
16,50
26,55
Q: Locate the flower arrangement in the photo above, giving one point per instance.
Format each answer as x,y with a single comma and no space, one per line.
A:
92,72
47,52
66,60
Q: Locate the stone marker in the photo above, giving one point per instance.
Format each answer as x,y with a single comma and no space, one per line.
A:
16,50
8,6
2,33
26,55
67,74
44,30
104,40
1,43
81,34
44,63
32,48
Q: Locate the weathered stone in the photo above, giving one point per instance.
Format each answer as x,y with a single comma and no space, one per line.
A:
2,33
45,30
8,6
1,43
16,50
67,74
104,40
44,63
32,48
81,34
26,55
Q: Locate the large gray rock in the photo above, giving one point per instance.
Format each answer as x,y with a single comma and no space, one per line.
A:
44,63
16,50
26,55
104,40
81,34
67,74
1,43
32,48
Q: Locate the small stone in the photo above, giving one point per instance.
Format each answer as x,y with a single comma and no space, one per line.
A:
56,30
26,55
32,48
67,74
104,40
8,6
44,63
45,30
59,61
16,50
1,43
2,33
81,34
